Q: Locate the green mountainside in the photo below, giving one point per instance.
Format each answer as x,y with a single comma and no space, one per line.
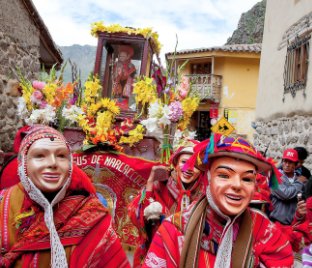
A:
81,56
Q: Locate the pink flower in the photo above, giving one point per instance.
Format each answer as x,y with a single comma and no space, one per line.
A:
184,87
183,93
36,97
38,84
43,104
176,111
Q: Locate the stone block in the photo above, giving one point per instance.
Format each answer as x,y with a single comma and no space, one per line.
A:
298,128
2,123
286,129
309,149
274,130
4,45
291,140
11,113
306,124
282,140
12,50
259,130
4,60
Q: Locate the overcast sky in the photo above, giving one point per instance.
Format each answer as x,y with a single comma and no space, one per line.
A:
197,23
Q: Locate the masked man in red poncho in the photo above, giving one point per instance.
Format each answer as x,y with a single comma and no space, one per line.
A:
52,218
164,195
221,230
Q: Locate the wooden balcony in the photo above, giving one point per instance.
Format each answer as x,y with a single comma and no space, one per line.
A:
206,86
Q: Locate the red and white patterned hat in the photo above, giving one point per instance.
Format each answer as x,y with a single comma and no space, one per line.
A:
186,148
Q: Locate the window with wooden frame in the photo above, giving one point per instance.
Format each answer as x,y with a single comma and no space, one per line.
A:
296,65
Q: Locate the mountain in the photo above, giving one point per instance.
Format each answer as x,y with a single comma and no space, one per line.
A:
250,26
249,30
81,56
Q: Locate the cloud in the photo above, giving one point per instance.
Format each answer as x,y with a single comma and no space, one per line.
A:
198,23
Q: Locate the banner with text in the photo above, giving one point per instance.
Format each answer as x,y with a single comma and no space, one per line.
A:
118,178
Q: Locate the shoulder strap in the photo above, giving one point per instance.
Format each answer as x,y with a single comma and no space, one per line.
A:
242,248
193,234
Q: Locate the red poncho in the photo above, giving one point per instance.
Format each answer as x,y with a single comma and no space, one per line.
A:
270,247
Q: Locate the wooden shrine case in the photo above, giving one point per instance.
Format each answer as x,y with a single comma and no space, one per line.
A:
120,58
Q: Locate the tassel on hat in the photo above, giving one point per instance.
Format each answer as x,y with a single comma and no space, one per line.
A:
209,146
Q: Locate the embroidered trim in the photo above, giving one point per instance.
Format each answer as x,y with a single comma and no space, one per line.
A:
5,232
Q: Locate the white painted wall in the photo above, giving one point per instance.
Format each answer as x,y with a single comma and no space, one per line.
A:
280,16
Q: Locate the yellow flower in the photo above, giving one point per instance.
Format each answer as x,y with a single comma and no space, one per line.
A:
135,136
110,105
92,90
49,92
189,106
99,26
145,91
104,120
27,91
92,109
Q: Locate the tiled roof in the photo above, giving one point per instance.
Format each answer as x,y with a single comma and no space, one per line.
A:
251,48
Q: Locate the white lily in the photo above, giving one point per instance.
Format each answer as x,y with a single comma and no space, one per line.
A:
165,119
150,124
42,116
154,109
72,113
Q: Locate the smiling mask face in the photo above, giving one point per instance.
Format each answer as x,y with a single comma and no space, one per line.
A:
232,184
48,164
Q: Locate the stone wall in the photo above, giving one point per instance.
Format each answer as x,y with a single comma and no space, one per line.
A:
282,133
19,49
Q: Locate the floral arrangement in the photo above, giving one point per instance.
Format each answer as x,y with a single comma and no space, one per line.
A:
97,118
99,26
42,101
51,102
171,106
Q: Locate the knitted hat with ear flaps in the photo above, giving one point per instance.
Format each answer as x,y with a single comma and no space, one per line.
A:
35,133
235,147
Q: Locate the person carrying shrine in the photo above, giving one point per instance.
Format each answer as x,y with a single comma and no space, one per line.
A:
165,193
52,217
220,230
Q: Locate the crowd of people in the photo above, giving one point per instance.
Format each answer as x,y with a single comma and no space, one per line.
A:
219,203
